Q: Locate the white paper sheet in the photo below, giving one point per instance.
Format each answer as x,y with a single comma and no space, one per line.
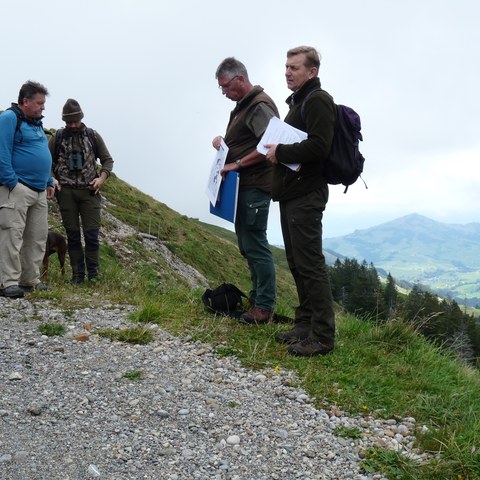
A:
215,178
280,132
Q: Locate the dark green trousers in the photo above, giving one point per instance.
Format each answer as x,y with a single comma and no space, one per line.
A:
80,210
251,229
301,220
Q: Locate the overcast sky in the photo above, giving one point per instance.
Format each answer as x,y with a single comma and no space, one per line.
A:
144,74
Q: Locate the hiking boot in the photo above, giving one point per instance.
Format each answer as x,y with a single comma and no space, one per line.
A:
309,348
293,336
39,286
13,291
76,280
256,316
277,318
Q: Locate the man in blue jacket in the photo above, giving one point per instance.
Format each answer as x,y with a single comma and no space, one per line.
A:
25,185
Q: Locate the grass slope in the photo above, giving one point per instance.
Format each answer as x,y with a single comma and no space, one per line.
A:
380,370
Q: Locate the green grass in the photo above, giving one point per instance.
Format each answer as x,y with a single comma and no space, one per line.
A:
348,432
149,313
135,335
52,329
133,374
383,370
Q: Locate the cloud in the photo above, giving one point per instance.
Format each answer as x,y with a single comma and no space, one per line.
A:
144,74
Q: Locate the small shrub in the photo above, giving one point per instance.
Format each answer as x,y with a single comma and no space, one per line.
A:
52,329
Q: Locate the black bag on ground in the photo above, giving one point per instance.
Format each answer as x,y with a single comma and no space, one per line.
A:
225,299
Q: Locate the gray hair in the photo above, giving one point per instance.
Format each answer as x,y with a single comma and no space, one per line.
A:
231,67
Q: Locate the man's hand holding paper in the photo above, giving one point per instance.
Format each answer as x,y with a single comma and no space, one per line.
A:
279,132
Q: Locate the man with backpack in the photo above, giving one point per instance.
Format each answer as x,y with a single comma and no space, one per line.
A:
248,121
25,185
303,195
75,150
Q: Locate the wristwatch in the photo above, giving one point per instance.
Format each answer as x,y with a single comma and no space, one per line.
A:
238,162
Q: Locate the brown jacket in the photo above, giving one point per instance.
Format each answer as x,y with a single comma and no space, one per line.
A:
241,140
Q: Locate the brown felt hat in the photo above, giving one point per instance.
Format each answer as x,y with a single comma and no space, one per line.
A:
72,111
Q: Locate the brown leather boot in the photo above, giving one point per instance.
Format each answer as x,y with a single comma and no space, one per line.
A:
293,336
256,316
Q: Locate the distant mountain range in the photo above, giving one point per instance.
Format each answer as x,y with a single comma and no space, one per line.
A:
416,249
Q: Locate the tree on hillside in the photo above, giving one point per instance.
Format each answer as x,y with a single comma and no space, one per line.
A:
442,321
357,288
390,296
461,344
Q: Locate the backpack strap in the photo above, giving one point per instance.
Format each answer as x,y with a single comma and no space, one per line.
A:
305,100
20,119
236,290
58,140
207,298
93,140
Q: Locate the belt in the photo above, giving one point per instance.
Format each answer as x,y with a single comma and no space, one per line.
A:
38,190
75,188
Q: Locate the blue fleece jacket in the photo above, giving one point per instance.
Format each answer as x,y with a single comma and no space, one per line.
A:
24,155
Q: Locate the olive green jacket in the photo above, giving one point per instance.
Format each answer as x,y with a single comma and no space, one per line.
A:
318,122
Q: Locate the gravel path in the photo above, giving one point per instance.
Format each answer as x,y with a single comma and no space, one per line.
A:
67,410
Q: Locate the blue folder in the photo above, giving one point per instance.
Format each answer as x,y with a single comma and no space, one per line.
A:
226,206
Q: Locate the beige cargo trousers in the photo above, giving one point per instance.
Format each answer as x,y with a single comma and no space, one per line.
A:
23,235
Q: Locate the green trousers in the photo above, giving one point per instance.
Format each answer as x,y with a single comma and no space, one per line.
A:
251,229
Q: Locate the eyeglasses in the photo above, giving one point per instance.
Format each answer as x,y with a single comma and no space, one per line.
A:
226,85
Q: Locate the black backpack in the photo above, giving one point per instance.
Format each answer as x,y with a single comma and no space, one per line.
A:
225,299
345,162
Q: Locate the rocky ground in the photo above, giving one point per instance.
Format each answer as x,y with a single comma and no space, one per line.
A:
71,407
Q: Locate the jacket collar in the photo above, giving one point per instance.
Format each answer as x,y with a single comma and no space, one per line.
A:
32,121
69,132
299,95
249,96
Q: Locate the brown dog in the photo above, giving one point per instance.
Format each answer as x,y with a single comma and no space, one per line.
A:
55,243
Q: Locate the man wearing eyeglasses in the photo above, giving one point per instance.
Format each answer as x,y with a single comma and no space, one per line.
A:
248,121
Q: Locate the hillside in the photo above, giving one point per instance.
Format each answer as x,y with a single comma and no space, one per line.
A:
176,238
155,264
417,249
